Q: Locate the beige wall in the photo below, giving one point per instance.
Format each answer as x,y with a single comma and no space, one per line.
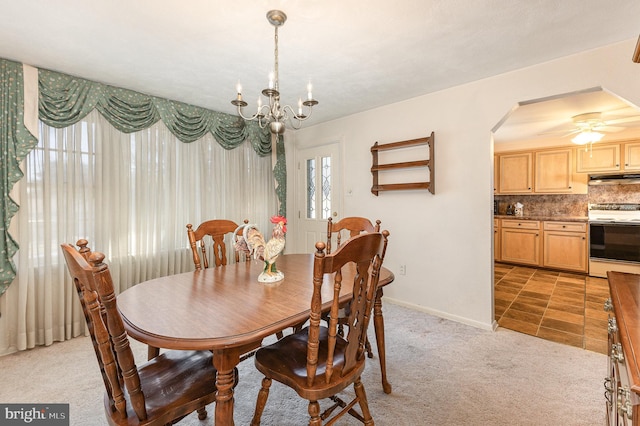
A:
445,240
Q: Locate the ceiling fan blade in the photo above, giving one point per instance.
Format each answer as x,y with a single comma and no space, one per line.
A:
608,129
559,133
622,120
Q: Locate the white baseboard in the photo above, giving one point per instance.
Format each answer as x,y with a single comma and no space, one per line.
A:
484,326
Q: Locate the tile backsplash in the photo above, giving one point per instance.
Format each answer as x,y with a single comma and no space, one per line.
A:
570,204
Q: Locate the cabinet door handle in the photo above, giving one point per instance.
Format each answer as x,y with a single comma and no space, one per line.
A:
608,305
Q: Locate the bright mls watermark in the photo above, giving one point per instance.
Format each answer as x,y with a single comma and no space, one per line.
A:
34,414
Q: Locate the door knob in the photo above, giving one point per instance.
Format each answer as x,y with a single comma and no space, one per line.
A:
335,214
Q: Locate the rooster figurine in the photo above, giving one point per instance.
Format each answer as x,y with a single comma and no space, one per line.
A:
253,244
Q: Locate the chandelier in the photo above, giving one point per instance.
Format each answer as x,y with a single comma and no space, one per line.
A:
273,114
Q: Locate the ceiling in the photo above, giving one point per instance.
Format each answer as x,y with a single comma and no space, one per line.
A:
358,54
550,121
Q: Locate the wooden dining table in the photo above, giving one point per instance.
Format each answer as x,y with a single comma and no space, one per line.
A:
226,310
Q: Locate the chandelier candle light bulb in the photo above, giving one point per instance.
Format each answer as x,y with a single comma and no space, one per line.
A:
274,114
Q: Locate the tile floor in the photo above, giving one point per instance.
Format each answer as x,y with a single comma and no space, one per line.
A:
558,306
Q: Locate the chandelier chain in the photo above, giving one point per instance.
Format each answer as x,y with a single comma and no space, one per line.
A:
275,39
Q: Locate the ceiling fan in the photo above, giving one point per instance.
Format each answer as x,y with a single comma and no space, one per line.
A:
591,126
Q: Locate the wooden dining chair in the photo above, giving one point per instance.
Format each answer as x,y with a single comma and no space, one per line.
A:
158,392
348,227
316,362
216,230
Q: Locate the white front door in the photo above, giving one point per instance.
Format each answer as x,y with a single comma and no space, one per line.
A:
318,193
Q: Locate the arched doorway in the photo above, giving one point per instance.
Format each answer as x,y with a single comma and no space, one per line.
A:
532,294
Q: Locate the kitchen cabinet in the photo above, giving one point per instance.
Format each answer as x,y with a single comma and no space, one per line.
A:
516,173
496,239
551,244
548,171
553,171
598,158
613,157
565,246
520,241
632,156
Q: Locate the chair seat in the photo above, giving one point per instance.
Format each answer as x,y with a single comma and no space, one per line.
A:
167,381
286,361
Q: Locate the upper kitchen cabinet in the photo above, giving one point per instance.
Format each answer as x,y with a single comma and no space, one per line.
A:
515,173
611,157
553,171
632,156
598,158
548,171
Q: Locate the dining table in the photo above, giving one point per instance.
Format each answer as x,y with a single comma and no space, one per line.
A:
227,311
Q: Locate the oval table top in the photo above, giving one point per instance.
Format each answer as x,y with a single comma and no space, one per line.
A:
226,306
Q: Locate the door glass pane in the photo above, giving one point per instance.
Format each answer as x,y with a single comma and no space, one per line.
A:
326,187
311,189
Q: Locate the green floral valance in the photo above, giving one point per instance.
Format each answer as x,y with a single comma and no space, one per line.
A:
64,100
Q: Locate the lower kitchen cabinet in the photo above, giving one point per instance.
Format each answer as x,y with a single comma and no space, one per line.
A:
565,246
520,241
550,244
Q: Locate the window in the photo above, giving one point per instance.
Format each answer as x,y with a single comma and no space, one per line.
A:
318,178
131,195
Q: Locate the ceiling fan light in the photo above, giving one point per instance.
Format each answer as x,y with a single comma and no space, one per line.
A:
586,137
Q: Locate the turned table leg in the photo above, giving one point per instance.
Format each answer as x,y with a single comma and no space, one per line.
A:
378,324
225,361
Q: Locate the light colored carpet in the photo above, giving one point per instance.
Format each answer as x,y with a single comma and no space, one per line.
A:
442,372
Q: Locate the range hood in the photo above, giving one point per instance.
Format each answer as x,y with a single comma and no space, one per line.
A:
617,179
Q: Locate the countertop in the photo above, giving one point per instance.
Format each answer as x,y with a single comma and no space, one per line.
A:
556,218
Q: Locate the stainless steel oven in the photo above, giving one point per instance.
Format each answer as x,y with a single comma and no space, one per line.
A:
614,238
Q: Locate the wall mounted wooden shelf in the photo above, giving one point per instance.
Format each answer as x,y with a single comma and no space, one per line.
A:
377,167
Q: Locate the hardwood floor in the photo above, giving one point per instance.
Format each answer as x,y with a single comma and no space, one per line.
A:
559,306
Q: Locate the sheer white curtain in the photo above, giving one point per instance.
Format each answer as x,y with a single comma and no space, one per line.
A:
130,196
